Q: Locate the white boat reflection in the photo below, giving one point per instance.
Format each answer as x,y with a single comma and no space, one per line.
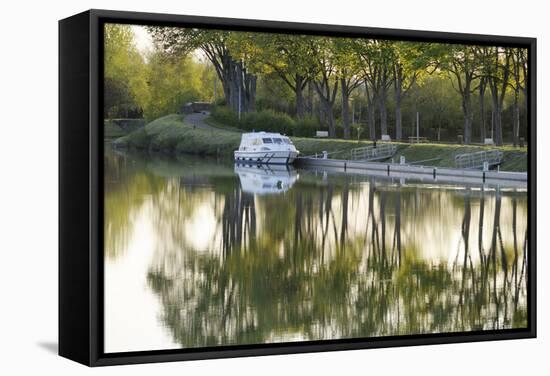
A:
265,179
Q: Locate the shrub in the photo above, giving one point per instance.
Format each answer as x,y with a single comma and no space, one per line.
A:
267,120
307,127
225,116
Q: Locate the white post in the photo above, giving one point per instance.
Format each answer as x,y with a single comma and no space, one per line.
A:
417,127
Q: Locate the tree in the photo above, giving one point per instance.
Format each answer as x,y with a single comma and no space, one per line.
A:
462,63
482,117
350,75
325,80
171,83
376,57
496,70
125,86
409,61
285,55
239,85
519,84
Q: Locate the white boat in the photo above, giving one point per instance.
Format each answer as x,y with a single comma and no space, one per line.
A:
268,148
262,179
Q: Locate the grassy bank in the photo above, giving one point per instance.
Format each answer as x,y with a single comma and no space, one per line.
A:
170,134
114,128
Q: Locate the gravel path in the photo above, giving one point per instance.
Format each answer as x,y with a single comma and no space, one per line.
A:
197,120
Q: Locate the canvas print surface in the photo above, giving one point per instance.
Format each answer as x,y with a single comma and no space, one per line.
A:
266,188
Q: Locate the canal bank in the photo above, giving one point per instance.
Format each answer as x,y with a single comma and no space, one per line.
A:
172,135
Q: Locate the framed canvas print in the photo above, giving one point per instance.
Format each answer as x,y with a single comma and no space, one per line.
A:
236,187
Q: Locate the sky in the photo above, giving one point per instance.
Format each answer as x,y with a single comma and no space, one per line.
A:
144,43
143,40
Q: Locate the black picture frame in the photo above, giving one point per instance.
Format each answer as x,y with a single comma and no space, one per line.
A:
81,188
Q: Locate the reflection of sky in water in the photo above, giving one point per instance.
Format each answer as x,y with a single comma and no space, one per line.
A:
181,255
132,307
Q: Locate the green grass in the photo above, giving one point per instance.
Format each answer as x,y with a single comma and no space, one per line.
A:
112,130
172,135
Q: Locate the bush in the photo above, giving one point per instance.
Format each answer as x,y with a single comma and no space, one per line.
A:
307,127
225,116
272,121
266,120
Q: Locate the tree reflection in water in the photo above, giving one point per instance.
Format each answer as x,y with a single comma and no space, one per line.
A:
333,258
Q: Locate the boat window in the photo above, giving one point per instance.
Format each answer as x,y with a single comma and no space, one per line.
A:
267,140
287,141
256,142
277,141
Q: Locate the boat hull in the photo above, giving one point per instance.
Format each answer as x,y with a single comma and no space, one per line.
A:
282,157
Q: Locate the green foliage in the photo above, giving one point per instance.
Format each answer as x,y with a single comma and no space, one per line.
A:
171,83
125,85
394,79
153,85
267,120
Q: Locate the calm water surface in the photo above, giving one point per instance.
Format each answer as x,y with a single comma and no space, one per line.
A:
202,253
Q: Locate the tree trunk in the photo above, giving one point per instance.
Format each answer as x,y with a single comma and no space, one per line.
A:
370,112
482,121
398,120
250,92
299,92
310,97
516,118
330,118
383,111
239,87
345,108
498,126
371,121
327,96
398,116
468,117
497,118
498,89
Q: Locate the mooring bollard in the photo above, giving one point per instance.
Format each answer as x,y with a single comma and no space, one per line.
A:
325,154
402,160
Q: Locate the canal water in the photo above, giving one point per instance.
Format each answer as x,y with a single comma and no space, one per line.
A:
200,252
